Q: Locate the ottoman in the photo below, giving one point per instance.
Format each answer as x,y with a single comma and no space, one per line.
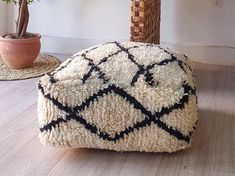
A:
119,96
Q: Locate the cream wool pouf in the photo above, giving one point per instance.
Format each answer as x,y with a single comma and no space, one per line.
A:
119,96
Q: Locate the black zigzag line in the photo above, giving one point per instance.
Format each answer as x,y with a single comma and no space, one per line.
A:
130,99
95,67
144,71
105,59
101,75
53,80
147,74
156,117
164,62
181,63
54,101
68,109
53,124
130,56
117,52
106,136
149,78
136,76
149,67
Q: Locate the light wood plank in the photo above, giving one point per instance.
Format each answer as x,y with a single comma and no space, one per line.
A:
16,100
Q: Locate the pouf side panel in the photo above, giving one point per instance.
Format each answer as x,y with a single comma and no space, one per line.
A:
185,119
149,139
62,138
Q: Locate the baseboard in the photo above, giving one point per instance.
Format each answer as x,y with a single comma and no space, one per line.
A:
218,55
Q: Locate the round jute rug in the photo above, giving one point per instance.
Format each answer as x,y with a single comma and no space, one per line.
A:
42,65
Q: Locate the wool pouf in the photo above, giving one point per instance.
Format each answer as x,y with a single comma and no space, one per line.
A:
119,96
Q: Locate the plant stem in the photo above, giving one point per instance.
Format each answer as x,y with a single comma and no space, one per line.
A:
23,19
18,18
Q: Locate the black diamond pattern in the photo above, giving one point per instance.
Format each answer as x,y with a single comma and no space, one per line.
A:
72,113
143,70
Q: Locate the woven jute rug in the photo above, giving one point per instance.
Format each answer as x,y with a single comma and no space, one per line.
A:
42,65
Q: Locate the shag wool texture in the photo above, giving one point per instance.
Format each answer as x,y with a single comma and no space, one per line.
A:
119,96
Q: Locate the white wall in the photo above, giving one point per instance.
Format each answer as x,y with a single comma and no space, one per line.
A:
183,21
198,22
71,25
3,13
200,29
187,25
89,19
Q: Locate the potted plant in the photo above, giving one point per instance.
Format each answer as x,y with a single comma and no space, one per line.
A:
20,49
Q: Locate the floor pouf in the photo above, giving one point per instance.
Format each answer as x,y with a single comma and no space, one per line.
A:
119,96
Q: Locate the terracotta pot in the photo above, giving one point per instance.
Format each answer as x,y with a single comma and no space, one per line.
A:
20,53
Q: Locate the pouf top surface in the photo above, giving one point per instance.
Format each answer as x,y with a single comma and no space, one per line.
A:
126,64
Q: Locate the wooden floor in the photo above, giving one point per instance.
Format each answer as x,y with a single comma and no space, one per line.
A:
212,153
